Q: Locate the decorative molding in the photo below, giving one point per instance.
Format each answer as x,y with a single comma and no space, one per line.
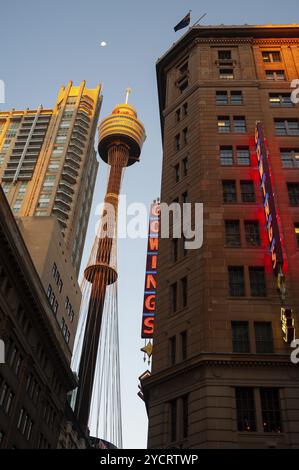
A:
272,42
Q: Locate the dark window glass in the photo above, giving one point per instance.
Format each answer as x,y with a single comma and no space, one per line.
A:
175,242
172,346
243,156
185,409
225,55
247,191
221,97
184,345
239,124
185,166
178,115
293,190
226,74
245,409
177,173
226,156
271,410
173,420
263,337
297,233
185,135
236,281
232,233
184,288
257,282
289,158
240,337
223,124
185,109
229,191
173,294
236,97
252,232
185,197
178,142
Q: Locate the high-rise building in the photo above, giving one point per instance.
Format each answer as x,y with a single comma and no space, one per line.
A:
222,375
48,162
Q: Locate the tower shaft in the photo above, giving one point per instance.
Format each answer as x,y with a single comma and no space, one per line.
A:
118,155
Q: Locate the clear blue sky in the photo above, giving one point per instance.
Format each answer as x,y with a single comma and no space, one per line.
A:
46,43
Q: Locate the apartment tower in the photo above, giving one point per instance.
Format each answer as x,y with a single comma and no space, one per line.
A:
222,374
48,162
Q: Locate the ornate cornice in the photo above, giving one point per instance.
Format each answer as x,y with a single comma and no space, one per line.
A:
276,42
223,40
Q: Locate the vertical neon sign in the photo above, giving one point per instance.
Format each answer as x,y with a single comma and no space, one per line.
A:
149,303
269,201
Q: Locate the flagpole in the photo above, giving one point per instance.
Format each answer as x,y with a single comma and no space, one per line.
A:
198,20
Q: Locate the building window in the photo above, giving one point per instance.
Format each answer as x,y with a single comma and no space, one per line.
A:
297,233
293,190
172,349
178,142
2,435
229,192
243,156
236,98
185,109
185,135
184,349
226,155
225,55
173,420
247,191
185,166
257,281
177,173
239,124
271,410
236,281
17,205
252,232
289,158
240,337
263,337
271,56
174,246
185,197
280,99
245,405
184,290
173,297
221,97
178,115
185,412
223,124
232,233
276,75
287,127
226,74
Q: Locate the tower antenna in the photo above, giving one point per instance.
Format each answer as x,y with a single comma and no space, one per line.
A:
128,92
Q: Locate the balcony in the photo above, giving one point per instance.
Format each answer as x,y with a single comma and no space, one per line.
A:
63,213
65,187
62,193
78,134
72,161
68,175
61,202
75,149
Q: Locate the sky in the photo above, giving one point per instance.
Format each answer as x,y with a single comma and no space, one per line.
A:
44,44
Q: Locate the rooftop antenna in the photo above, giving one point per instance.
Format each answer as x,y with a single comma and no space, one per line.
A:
128,92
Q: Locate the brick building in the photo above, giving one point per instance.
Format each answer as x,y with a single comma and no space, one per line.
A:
222,375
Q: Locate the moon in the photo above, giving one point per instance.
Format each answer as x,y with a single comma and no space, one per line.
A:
103,44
